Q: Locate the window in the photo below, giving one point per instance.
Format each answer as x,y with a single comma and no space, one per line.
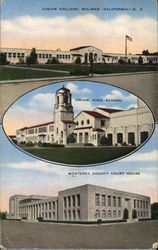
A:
114,213
46,206
73,201
114,201
103,201
10,55
18,55
65,204
109,213
51,128
14,55
42,129
134,203
78,214
97,200
31,131
119,213
53,204
61,134
137,203
143,204
119,201
82,122
69,214
140,204
102,123
109,201
77,123
97,213
49,205
69,201
65,215
43,55
78,200
103,213
88,121
74,214
53,214
57,131
49,214
146,204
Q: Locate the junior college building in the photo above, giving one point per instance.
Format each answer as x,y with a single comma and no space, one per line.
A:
82,203
120,127
13,55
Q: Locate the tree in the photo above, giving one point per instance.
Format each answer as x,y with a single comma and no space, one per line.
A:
32,58
78,60
129,61
54,60
154,211
3,215
125,214
140,60
3,59
104,140
145,52
21,60
134,214
121,61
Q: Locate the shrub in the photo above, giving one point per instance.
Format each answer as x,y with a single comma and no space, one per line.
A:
78,60
89,144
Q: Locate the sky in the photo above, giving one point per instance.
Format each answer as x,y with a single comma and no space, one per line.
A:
66,24
37,106
24,174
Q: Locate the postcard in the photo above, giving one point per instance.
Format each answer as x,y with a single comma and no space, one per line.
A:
79,152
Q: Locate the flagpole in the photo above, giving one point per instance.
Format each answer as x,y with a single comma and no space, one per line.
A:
125,47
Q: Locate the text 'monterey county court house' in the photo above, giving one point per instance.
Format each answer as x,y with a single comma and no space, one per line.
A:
120,127
82,203
83,52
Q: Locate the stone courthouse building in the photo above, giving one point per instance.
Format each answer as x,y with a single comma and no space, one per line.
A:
82,203
120,127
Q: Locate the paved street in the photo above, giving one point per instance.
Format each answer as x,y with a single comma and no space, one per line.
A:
17,234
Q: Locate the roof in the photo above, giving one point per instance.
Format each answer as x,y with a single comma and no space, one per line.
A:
95,114
83,128
68,122
81,47
38,125
110,110
63,88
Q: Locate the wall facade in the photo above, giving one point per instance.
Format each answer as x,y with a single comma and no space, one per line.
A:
82,203
85,53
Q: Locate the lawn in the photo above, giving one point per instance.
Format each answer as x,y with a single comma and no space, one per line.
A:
79,156
98,68
17,74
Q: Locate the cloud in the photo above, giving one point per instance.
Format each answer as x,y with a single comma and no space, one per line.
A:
44,101
66,32
75,89
147,156
116,94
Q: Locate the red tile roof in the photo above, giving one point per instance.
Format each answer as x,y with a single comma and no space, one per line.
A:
111,110
38,125
83,128
68,122
98,129
95,114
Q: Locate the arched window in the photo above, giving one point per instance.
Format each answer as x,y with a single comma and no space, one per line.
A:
82,122
88,121
77,123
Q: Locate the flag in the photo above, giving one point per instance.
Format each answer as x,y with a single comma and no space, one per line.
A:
129,38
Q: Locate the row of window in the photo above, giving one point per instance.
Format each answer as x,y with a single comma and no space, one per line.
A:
140,204
68,215
103,200
44,206
87,122
14,55
73,200
40,130
109,213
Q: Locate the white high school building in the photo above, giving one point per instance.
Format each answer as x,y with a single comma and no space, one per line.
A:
82,203
131,127
13,55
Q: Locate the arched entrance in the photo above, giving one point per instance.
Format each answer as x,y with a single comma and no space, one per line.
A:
125,214
109,139
71,138
120,138
131,138
86,57
143,136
